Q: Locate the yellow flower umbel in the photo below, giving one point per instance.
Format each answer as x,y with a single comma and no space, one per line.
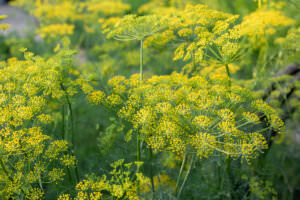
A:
205,36
120,183
184,115
56,30
259,24
132,27
30,159
108,8
55,12
290,43
164,7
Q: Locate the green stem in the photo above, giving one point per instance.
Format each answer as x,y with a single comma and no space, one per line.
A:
71,119
186,176
138,157
63,122
138,147
141,59
194,61
223,179
228,167
219,176
180,172
64,136
41,184
72,130
72,137
261,63
138,141
151,169
229,75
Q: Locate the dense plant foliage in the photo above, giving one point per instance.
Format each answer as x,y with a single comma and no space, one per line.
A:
152,99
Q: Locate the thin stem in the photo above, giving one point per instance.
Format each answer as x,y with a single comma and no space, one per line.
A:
72,137
194,61
223,178
41,184
219,176
186,176
261,62
180,172
138,141
151,169
63,122
64,136
138,145
71,119
69,174
229,173
228,74
141,59
138,158
72,130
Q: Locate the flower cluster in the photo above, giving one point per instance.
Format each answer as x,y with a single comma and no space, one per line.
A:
164,6
30,159
121,183
56,30
108,8
132,27
259,24
290,43
196,27
58,12
180,114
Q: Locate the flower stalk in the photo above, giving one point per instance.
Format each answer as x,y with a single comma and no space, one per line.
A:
180,172
186,176
229,75
70,115
141,59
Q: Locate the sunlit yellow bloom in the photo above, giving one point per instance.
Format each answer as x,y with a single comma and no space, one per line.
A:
56,30
176,113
